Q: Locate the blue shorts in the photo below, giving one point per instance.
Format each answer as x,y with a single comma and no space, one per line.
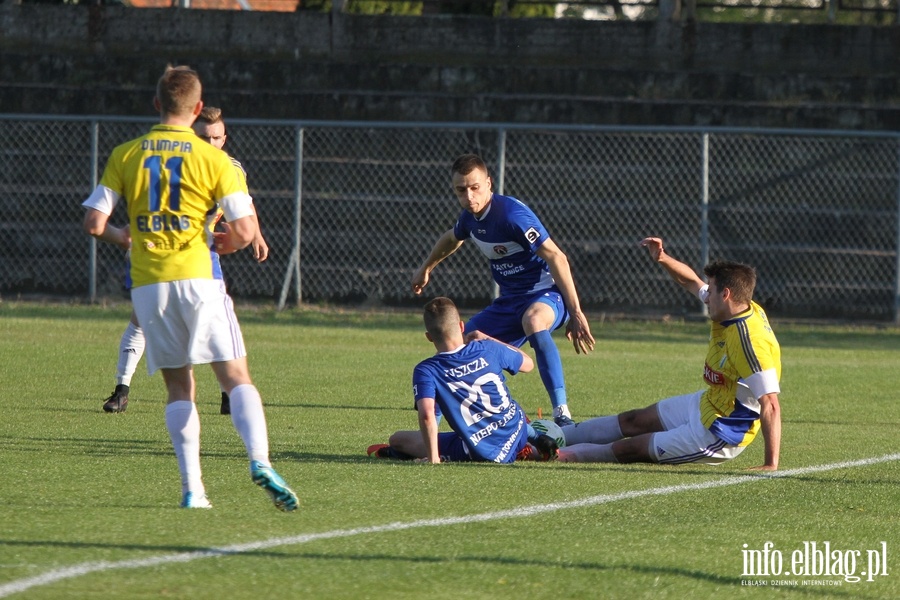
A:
452,448
503,318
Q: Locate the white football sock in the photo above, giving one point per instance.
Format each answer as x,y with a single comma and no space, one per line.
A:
600,430
131,349
249,420
183,424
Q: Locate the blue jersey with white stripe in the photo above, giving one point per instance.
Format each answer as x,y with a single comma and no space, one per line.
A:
469,387
509,234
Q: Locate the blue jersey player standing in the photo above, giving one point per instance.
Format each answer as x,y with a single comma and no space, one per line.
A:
465,383
537,292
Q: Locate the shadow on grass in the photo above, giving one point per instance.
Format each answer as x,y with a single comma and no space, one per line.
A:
119,448
405,409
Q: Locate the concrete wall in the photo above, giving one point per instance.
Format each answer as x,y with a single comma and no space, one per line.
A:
87,60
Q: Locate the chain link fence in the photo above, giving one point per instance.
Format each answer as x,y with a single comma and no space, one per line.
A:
351,209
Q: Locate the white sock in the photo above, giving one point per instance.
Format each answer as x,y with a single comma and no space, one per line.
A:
249,420
600,430
131,349
587,453
183,424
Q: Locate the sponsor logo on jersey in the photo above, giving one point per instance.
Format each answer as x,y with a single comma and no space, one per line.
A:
712,377
532,235
507,269
500,250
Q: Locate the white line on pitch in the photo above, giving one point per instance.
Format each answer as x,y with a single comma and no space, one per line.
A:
526,511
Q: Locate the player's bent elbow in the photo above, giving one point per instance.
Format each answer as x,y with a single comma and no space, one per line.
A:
243,232
93,228
527,364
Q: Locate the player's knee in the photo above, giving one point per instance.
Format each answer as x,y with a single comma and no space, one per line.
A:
637,421
539,317
403,440
628,420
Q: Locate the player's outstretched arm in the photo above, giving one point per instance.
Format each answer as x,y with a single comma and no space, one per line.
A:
682,274
446,245
578,331
770,425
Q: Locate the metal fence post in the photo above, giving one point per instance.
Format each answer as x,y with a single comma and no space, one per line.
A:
293,267
92,252
704,209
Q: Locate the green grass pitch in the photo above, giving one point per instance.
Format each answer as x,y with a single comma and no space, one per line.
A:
89,501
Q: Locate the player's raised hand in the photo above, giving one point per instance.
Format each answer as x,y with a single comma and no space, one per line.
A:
579,333
654,245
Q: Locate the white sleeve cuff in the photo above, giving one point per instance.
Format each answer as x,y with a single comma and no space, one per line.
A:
236,206
102,199
762,383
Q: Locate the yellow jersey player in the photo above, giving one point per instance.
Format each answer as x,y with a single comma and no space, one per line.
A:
741,372
209,127
171,182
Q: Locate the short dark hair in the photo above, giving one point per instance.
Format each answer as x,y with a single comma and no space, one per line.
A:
737,277
441,318
467,163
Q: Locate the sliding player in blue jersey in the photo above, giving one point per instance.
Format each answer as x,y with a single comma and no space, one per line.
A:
537,293
741,373
464,382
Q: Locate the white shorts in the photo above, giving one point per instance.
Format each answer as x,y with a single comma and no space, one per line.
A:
685,439
187,322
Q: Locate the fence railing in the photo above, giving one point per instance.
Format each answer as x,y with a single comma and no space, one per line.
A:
351,209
